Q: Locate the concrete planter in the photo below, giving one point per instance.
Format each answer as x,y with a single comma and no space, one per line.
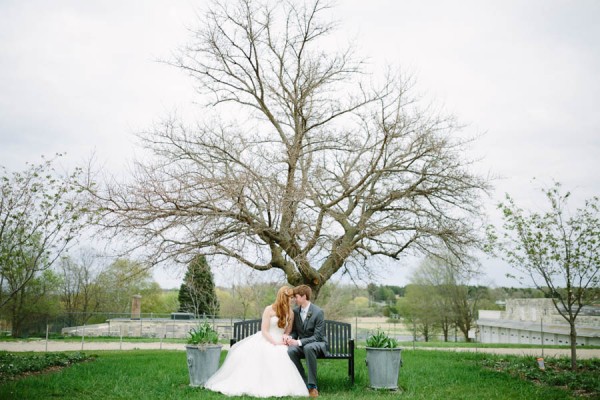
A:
203,362
384,367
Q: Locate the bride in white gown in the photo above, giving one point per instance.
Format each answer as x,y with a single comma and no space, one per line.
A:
259,365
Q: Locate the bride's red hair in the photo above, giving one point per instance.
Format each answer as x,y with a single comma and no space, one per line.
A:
282,305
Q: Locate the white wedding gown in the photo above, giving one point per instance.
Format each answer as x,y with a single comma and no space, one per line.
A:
258,368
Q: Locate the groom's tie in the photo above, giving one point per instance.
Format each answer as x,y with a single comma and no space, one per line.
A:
303,314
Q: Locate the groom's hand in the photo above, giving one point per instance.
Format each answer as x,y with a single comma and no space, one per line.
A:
289,341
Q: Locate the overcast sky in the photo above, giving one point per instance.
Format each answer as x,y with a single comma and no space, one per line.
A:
82,77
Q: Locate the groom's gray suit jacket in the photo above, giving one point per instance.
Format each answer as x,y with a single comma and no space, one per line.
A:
313,327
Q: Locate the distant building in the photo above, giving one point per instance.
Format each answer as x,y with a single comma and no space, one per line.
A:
533,321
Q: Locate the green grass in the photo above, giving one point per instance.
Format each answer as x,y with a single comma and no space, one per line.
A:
155,374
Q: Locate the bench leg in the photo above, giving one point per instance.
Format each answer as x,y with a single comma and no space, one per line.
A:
351,361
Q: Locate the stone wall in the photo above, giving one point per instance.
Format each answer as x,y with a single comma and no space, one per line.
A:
150,328
536,321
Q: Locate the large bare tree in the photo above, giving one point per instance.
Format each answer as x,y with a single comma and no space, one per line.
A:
302,162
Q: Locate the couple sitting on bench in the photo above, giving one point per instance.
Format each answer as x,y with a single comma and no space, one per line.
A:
267,363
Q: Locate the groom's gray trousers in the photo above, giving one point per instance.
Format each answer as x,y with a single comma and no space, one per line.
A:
310,351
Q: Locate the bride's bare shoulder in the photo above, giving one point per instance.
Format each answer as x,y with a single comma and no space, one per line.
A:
269,310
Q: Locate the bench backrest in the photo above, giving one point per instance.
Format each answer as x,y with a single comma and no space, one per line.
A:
337,334
243,329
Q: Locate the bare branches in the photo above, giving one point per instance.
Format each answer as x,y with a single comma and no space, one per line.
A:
317,167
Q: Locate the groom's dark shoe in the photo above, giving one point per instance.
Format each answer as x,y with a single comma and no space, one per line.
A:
313,392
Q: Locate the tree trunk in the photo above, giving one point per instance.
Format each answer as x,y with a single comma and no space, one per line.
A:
17,314
16,323
445,328
573,336
464,327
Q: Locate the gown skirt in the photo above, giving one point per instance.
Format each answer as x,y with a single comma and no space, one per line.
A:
258,368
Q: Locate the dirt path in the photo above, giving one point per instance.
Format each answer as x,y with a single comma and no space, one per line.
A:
41,345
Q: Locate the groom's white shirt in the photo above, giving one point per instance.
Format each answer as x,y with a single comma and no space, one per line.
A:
305,311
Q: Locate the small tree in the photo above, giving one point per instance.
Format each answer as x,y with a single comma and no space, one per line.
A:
433,273
159,301
338,301
122,279
558,251
79,291
31,307
454,301
418,308
41,212
197,292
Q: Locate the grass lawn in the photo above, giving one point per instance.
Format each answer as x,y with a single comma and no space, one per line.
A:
155,374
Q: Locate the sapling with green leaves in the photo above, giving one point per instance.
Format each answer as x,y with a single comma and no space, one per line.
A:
557,249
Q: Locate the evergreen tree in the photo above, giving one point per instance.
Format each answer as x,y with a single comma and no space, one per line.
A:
197,293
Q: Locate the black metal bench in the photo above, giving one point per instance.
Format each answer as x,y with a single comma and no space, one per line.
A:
340,345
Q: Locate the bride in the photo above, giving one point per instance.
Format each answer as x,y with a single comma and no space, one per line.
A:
259,365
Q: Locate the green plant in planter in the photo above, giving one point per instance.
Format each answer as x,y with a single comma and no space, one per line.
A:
203,334
381,341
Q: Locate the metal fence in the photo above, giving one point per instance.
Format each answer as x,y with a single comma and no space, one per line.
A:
173,326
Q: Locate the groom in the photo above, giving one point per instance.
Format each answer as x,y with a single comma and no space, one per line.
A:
307,337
